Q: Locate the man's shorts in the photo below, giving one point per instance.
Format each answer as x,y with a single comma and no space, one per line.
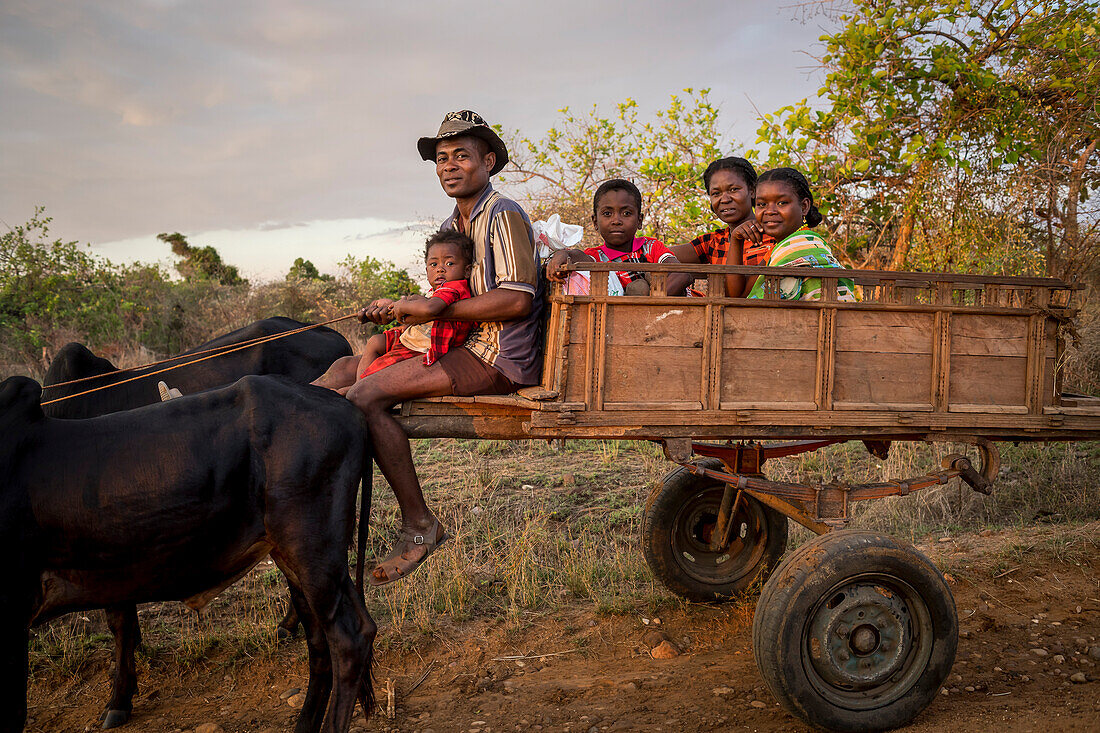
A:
469,375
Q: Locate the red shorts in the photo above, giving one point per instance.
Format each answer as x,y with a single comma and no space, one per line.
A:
395,352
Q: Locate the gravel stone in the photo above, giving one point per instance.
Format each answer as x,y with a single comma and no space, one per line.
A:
664,650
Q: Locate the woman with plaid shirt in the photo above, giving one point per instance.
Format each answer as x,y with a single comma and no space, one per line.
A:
731,187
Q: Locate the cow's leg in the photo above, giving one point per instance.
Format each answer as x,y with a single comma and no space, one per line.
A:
350,632
13,668
289,625
335,620
123,622
320,663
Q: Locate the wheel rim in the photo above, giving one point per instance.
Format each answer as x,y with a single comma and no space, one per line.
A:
693,526
867,641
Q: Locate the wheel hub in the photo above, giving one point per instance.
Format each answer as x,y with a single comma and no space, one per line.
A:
860,637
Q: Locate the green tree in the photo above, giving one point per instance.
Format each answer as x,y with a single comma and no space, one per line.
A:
665,158
201,263
954,134
303,269
368,279
53,291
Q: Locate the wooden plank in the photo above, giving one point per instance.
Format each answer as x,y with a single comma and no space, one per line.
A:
599,356
647,373
684,406
657,325
901,406
599,282
991,409
712,358
756,405
941,362
884,332
756,304
575,380
991,294
1036,363
768,375
658,283
989,335
787,328
814,422
826,356
988,380
910,279
886,379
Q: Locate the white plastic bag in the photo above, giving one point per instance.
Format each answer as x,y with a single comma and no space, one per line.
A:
552,235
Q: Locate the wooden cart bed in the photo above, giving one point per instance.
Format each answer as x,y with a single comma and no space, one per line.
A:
920,353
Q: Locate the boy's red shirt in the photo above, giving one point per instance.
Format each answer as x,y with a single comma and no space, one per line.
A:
644,249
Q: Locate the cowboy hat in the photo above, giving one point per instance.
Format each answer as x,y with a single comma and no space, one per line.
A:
465,122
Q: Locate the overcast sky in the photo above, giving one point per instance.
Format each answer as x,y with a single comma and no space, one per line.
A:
275,129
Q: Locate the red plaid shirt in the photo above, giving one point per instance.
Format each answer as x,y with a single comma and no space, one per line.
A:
445,335
713,247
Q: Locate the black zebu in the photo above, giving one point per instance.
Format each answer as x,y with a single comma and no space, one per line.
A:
175,501
302,356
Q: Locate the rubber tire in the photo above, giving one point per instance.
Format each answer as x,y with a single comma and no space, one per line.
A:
663,509
799,587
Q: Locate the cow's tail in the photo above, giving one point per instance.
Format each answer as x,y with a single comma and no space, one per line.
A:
366,688
364,525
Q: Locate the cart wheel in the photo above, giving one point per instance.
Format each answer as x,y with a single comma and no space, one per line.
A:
855,632
680,516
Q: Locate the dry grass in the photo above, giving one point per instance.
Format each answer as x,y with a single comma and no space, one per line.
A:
536,529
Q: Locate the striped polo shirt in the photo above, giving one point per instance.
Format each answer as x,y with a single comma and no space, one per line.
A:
504,257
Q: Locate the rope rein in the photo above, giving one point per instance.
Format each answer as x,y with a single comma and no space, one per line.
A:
220,351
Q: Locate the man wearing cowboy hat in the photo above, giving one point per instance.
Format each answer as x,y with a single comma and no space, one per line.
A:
502,354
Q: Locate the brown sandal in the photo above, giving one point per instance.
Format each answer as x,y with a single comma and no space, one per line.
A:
395,566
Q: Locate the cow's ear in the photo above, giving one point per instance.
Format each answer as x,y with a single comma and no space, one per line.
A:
74,361
20,399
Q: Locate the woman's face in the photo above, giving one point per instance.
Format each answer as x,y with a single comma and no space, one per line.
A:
779,210
730,197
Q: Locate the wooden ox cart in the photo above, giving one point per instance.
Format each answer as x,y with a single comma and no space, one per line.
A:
855,630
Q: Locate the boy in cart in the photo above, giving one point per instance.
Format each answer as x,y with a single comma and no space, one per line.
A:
617,216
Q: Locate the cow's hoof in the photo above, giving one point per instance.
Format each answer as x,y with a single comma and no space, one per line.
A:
115,718
284,635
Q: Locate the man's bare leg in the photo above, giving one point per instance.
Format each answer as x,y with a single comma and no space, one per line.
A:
375,395
342,373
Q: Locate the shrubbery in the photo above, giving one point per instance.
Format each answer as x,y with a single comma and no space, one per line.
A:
53,292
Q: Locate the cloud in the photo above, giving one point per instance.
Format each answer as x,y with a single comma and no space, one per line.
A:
138,116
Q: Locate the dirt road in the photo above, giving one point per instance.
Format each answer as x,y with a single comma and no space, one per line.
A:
1029,609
